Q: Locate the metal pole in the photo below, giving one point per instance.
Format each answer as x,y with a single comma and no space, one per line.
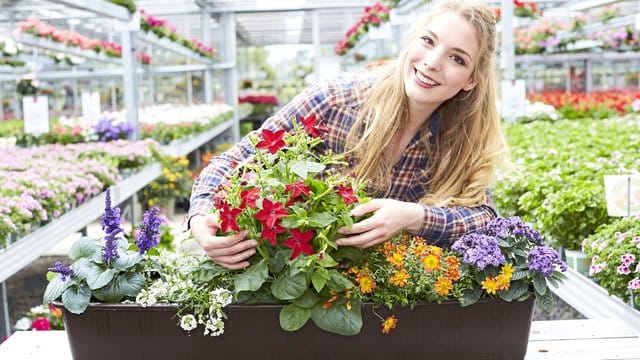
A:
130,80
507,59
315,35
114,96
588,68
5,327
228,53
206,39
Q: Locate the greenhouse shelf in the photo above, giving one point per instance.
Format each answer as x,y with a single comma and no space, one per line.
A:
30,247
41,43
99,7
571,57
183,148
153,40
592,301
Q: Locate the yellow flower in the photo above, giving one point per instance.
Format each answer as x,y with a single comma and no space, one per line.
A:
507,271
443,286
387,248
503,282
490,285
431,263
388,324
396,259
366,284
399,278
435,250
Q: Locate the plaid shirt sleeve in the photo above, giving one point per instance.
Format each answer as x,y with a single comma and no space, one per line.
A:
444,225
313,100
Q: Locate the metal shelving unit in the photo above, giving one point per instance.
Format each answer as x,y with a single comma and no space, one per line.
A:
186,147
100,7
43,43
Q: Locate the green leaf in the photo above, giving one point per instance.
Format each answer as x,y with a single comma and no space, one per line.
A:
322,219
97,277
319,279
307,300
338,282
518,288
338,319
519,275
76,298
84,247
357,256
124,285
302,168
470,296
539,283
545,301
347,219
287,287
293,317
503,243
55,288
327,261
126,259
252,278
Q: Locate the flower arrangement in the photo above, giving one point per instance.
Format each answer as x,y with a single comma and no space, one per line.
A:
110,127
614,250
106,270
372,16
261,104
609,12
41,318
506,259
27,85
525,9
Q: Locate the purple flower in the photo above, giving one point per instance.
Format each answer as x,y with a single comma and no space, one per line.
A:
634,284
149,234
628,259
501,227
543,258
480,250
62,270
623,270
109,129
111,227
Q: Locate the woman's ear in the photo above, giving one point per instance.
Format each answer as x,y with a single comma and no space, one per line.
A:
470,85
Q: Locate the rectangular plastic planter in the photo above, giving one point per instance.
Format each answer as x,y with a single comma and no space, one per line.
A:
489,329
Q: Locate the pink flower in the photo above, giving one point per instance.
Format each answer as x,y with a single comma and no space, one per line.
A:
623,270
628,259
634,284
41,323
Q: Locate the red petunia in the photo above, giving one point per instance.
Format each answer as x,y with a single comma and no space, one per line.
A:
347,194
300,242
296,189
271,141
228,218
310,126
271,234
249,197
41,323
270,213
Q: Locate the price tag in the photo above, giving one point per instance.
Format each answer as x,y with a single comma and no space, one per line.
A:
36,114
514,99
90,106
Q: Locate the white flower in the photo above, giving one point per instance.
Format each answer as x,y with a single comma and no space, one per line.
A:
188,322
23,324
222,296
146,298
214,327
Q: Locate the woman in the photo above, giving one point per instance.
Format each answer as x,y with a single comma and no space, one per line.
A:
423,131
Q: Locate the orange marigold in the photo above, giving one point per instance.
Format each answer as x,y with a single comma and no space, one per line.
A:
400,278
435,250
396,259
386,248
431,263
490,285
443,286
503,282
453,273
366,284
388,324
452,260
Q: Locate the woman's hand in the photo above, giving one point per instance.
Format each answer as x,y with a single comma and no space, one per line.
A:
228,251
389,218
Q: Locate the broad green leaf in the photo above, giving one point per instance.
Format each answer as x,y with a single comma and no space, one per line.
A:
470,296
82,268
338,282
519,275
307,300
287,287
84,247
357,256
55,288
252,278
302,168
518,288
539,283
126,285
319,279
347,219
97,277
322,219
76,299
338,318
293,317
126,260
545,301
503,244
327,261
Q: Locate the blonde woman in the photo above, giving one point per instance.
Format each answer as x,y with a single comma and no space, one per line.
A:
423,131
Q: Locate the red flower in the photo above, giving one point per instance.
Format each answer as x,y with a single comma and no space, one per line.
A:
228,218
347,194
249,197
41,323
298,188
310,125
271,234
270,213
271,141
300,242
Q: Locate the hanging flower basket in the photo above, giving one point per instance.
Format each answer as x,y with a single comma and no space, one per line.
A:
490,329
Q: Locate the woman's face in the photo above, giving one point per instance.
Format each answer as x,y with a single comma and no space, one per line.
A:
440,61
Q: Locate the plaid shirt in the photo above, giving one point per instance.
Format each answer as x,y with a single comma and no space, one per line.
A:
335,104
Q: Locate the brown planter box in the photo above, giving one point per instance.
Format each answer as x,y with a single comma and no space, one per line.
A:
489,329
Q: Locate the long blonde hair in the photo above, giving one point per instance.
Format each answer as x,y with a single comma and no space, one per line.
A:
470,144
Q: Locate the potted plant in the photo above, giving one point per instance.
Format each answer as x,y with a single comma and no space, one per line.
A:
614,251
301,290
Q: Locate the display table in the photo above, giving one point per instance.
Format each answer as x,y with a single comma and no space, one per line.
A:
593,339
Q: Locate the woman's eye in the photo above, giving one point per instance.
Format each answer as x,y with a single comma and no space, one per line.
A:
427,40
459,59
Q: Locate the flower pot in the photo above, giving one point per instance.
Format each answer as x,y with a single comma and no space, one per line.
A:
578,261
489,329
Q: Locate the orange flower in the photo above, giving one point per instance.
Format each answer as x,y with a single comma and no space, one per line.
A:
490,285
435,250
56,311
431,262
420,248
453,273
399,278
396,259
507,270
388,324
452,261
503,282
443,286
386,248
366,284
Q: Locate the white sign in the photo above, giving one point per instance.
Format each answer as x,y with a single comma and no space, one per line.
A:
90,106
623,194
514,99
36,114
